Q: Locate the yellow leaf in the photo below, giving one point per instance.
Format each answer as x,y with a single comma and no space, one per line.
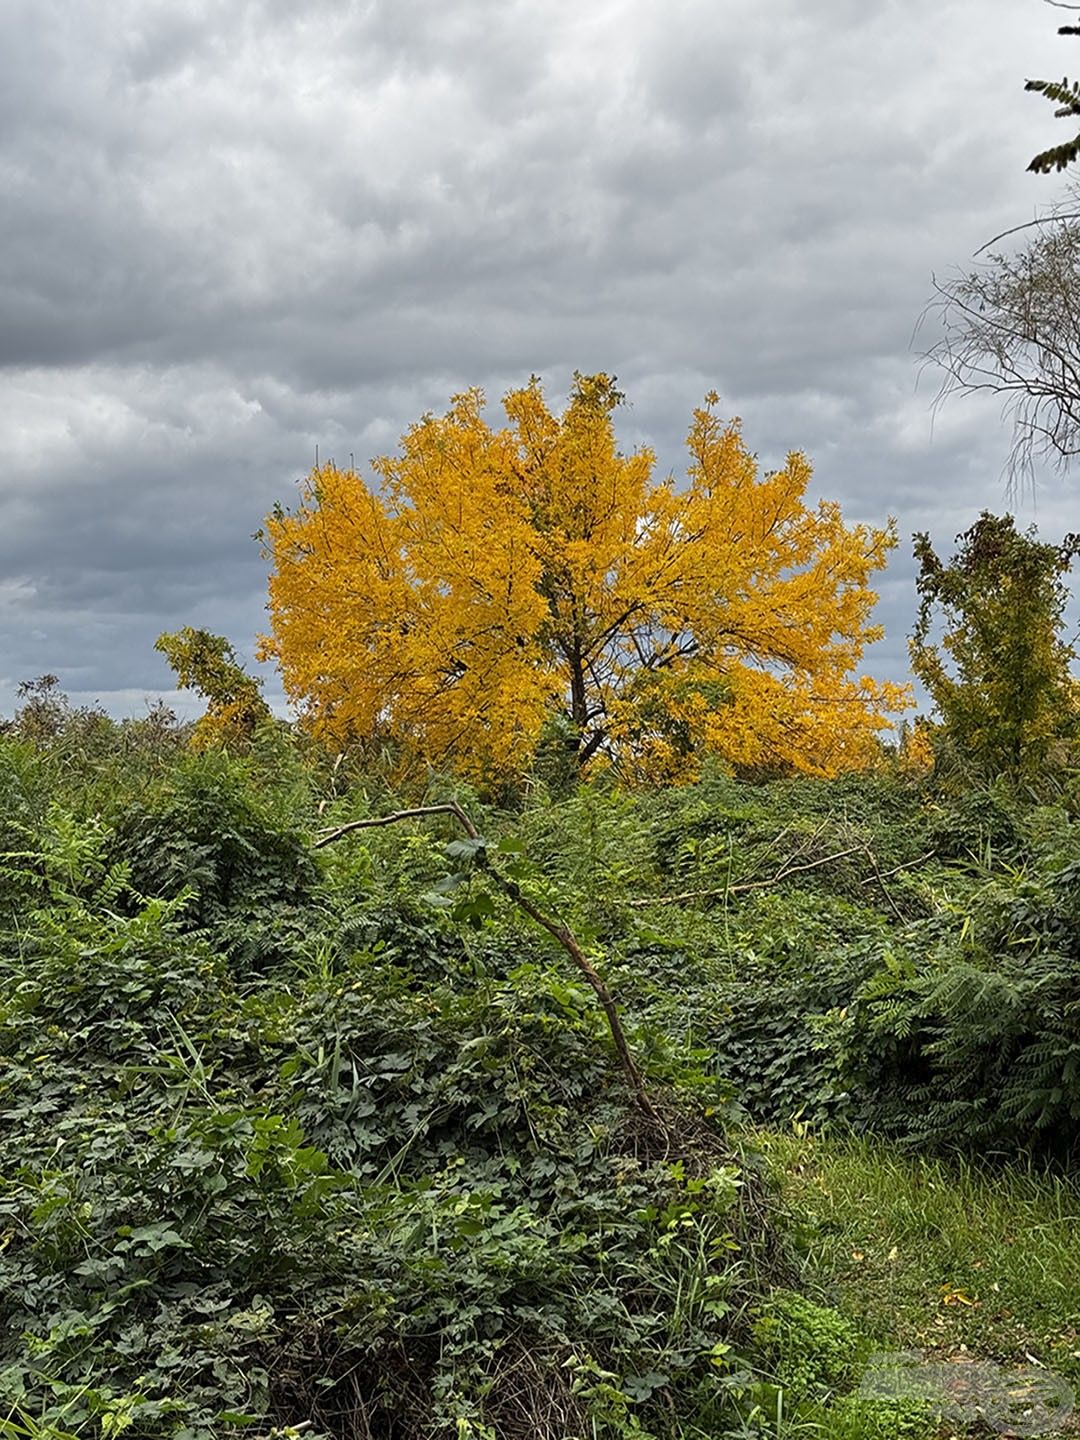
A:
951,1296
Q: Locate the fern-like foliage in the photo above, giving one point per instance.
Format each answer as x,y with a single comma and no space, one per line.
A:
976,1039
1066,96
1058,157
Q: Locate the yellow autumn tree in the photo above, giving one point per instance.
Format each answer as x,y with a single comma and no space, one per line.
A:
500,581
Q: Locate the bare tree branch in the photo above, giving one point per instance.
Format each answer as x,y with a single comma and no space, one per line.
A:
1027,225
450,808
1011,327
744,885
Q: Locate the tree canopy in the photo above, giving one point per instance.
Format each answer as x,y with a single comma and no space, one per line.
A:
502,582
1000,676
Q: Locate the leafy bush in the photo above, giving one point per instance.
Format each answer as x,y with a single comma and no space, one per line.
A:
774,1045
209,832
979,824
387,1187
281,1142
865,956
968,1031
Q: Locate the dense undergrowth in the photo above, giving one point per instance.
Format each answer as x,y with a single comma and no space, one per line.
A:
337,1139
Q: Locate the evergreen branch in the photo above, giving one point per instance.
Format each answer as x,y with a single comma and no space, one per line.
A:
1058,158
1067,94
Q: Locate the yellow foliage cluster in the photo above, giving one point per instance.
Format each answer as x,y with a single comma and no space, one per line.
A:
916,750
501,577
207,663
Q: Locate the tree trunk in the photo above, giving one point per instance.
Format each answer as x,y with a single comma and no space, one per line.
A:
579,710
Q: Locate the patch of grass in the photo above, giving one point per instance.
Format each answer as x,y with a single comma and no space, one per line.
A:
938,1254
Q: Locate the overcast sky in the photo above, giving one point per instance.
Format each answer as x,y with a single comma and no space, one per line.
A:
237,229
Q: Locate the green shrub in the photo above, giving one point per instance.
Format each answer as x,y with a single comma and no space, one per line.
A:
860,1417
211,832
811,1349
773,1046
969,1031
397,1185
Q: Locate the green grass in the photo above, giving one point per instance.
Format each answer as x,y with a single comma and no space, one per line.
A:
939,1255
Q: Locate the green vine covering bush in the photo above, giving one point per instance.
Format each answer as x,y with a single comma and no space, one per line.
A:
336,1139
369,1176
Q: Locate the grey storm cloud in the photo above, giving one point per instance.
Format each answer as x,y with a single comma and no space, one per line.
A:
232,233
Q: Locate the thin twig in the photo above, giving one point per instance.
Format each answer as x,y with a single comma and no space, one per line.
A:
881,884
566,939
803,846
788,869
907,865
1015,229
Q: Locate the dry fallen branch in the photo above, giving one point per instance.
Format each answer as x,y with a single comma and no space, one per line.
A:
450,808
896,869
786,870
744,885
554,927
